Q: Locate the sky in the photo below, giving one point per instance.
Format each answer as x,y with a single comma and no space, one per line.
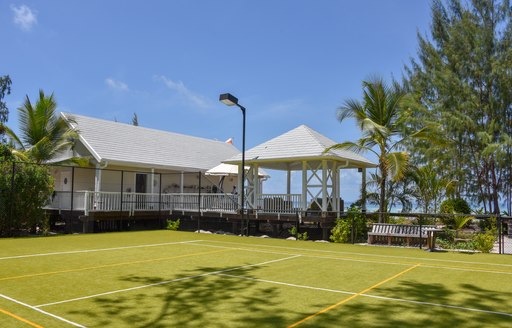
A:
289,62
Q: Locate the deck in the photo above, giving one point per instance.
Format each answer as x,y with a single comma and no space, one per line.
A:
280,206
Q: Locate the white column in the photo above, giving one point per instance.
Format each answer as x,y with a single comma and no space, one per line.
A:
338,188
152,181
304,185
256,185
239,187
288,181
97,179
334,187
324,186
182,181
363,189
97,185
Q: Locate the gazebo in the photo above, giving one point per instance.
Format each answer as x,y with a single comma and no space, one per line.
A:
301,149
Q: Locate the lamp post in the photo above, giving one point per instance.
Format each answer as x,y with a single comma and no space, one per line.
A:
231,100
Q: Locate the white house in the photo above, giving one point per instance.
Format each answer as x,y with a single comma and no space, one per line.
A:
128,162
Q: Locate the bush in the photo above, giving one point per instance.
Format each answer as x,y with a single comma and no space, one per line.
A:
300,236
342,231
454,206
173,225
484,242
21,208
487,224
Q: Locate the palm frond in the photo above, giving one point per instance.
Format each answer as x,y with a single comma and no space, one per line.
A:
348,145
398,164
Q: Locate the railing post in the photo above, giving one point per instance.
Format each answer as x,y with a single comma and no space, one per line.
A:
122,186
86,203
72,188
160,197
500,244
199,202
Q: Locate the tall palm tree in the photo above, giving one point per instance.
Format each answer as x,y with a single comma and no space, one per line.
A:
380,119
44,135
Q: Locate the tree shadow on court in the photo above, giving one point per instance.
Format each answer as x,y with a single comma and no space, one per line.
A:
370,312
210,300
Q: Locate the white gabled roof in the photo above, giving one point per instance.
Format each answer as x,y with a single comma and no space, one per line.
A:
125,144
301,143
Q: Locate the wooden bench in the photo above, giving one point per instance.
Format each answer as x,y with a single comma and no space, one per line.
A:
399,232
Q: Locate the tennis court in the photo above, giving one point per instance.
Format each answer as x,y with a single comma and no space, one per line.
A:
176,279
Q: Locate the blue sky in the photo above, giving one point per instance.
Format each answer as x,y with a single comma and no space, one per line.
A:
290,62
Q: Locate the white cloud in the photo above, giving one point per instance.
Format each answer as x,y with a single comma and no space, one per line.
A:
182,90
24,17
116,85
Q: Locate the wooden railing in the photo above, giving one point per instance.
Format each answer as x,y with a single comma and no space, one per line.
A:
104,201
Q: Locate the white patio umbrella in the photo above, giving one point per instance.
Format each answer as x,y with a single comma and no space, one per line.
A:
229,170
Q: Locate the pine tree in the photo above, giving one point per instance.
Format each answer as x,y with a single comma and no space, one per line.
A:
461,83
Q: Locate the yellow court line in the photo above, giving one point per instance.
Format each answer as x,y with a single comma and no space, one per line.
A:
21,319
353,296
110,265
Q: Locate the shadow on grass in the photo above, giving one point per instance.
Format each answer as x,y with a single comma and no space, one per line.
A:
208,301
367,312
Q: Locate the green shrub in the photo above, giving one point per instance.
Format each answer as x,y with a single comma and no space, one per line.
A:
453,206
484,242
487,224
21,208
398,220
173,225
342,231
300,236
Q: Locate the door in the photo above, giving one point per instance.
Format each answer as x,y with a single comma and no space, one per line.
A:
141,187
141,183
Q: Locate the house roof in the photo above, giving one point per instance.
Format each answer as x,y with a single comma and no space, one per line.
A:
125,144
291,148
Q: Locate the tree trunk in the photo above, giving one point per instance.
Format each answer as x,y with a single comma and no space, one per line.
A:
382,203
495,189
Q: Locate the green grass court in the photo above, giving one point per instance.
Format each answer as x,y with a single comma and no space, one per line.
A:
177,279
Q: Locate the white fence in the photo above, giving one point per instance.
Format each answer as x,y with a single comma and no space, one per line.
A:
279,203
90,201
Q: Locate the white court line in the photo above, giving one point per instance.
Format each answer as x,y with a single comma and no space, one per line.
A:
357,260
363,254
255,250
42,311
167,282
368,295
96,250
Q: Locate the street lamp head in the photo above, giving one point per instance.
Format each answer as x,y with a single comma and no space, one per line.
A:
228,99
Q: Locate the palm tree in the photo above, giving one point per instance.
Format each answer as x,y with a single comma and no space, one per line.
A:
398,193
44,135
380,119
430,187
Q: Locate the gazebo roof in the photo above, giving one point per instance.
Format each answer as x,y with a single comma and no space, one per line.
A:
288,150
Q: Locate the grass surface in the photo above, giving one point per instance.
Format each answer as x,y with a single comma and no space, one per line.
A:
176,279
